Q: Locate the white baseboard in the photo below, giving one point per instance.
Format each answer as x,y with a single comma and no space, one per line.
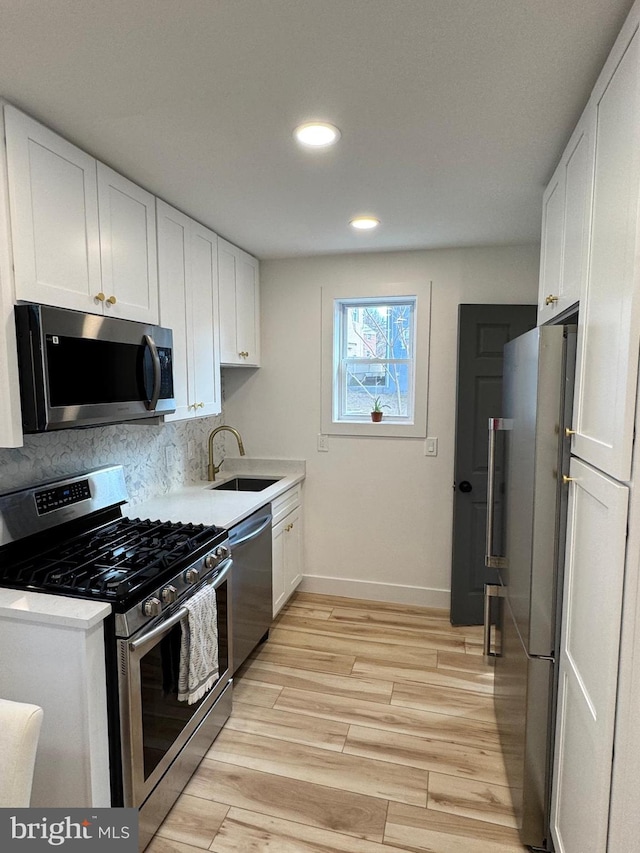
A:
373,591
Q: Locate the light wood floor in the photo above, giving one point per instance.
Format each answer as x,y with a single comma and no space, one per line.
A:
358,727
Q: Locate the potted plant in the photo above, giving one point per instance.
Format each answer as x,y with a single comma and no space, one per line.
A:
376,411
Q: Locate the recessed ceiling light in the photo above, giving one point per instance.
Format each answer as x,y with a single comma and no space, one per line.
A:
365,223
317,134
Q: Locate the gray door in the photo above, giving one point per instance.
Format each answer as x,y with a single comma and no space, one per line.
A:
483,330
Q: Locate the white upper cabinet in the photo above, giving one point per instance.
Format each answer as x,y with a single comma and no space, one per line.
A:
566,208
127,216
609,320
54,216
187,263
239,306
83,236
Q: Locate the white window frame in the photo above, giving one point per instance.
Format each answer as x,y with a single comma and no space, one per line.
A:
333,297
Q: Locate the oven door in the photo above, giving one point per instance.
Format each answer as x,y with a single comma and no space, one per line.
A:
154,725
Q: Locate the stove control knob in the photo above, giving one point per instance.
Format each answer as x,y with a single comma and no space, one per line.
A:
152,607
169,594
222,551
192,575
210,561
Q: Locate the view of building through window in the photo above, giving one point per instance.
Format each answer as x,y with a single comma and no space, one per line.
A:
375,358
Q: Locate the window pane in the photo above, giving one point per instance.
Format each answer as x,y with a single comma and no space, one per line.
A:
381,330
364,382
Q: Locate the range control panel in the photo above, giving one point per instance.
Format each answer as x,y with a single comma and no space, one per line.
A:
50,499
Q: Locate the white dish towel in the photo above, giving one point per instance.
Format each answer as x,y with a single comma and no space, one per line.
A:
199,647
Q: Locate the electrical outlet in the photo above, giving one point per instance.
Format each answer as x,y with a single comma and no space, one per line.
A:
431,447
323,443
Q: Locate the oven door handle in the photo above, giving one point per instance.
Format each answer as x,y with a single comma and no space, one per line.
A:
167,624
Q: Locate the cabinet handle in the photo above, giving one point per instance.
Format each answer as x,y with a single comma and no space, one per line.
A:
112,300
288,528
100,297
243,354
199,406
550,299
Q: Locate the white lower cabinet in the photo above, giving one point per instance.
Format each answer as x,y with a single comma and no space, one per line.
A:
287,546
588,660
187,262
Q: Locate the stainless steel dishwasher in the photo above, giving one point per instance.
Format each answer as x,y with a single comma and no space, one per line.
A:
251,594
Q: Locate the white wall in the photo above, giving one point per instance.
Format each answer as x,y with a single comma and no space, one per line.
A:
378,513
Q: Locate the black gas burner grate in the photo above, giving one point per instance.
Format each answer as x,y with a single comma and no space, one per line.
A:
113,562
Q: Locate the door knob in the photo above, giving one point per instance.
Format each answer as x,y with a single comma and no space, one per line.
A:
465,486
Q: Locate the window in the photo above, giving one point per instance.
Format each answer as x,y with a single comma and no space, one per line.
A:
373,358
375,346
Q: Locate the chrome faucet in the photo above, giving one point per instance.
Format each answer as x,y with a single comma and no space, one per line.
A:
212,469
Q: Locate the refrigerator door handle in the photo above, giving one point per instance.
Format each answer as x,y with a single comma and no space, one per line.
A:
491,560
491,591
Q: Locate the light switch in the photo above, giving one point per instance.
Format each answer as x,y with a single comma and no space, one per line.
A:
323,444
431,447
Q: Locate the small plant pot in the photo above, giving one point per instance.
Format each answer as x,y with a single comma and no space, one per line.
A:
376,417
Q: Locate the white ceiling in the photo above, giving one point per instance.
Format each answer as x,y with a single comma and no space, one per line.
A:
453,112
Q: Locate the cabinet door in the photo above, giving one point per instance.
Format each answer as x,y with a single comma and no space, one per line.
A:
207,393
227,274
588,660
578,180
239,306
292,552
127,248
248,310
565,225
278,545
551,246
54,217
609,325
175,301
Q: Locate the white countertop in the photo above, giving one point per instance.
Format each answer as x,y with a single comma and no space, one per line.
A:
52,609
201,504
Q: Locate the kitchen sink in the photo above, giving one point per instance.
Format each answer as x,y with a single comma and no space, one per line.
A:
246,484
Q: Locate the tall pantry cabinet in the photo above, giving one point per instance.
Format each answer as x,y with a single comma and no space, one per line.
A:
598,238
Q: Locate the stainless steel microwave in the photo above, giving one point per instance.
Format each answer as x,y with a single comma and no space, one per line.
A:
79,370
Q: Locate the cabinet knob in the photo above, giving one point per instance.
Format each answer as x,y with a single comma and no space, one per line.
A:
112,300
550,299
199,406
243,354
566,480
100,297
569,432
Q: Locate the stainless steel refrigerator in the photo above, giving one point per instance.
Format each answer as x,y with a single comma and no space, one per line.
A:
522,610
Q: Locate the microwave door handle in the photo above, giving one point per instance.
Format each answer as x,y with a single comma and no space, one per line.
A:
155,394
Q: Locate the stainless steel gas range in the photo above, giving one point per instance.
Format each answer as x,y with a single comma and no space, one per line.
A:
69,537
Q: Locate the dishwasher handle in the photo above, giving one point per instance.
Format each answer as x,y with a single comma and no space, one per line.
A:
253,534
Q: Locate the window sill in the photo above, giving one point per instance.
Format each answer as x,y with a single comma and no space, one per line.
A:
385,428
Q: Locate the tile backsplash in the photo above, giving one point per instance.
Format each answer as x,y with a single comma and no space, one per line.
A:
156,458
